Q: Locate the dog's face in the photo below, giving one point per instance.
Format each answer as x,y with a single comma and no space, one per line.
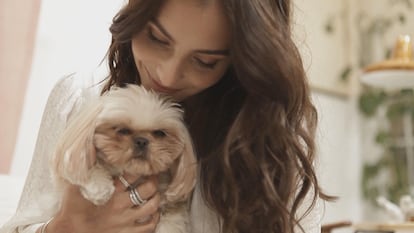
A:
138,132
138,148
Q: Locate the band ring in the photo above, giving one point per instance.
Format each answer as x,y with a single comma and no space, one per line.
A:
136,199
123,181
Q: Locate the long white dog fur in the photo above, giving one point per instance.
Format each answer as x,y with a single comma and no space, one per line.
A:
135,131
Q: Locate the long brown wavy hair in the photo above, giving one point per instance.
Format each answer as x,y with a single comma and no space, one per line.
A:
254,129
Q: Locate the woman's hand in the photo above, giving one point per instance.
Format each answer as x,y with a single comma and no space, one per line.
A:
118,215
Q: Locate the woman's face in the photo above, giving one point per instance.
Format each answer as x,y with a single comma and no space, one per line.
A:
184,50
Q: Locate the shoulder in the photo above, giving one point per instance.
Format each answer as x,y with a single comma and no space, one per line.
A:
85,80
72,90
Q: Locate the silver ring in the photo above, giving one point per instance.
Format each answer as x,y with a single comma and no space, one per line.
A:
123,181
136,199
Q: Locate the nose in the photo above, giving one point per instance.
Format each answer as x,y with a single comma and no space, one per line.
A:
141,143
169,72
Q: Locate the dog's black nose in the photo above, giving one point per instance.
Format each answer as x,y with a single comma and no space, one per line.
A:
141,143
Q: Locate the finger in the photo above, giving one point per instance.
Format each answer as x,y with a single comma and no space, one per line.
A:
147,226
119,185
134,181
145,191
142,212
141,228
123,182
131,179
156,217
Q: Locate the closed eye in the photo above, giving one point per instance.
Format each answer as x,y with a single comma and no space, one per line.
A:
124,131
154,38
203,64
159,133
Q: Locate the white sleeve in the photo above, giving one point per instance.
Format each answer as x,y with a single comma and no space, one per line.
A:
311,222
38,189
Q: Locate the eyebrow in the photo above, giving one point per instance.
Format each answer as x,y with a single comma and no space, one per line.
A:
222,52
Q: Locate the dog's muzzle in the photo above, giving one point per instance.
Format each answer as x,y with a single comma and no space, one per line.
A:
141,147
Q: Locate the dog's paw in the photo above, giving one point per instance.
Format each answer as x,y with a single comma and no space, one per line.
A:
98,191
98,195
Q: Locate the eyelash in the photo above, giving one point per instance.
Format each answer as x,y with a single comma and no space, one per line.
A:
158,41
205,65
155,39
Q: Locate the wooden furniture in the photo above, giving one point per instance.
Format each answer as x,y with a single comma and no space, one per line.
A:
327,228
407,227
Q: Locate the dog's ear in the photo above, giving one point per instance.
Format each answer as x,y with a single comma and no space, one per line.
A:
184,173
75,152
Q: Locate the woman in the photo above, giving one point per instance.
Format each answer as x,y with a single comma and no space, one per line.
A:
234,67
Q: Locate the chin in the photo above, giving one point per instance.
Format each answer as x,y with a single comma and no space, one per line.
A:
135,131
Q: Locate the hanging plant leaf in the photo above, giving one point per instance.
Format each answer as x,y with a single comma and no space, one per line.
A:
371,184
383,138
388,52
329,28
395,110
407,92
346,73
398,171
401,18
369,102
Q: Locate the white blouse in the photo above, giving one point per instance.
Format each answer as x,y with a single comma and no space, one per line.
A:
36,203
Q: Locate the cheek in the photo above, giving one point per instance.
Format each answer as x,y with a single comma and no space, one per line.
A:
204,81
141,49
166,150
113,150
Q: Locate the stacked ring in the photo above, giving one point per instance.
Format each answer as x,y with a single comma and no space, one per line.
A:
136,199
124,182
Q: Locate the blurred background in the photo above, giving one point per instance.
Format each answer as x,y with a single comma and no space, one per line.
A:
359,153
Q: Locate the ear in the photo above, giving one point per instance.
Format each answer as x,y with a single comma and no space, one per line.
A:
184,174
75,152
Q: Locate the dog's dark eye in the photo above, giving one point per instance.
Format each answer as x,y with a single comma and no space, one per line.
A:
159,133
124,131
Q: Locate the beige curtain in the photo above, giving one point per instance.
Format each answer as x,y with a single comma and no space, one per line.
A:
18,24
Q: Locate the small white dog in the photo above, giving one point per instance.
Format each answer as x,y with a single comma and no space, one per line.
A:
135,131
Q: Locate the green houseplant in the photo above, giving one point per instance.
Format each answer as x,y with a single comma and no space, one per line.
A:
392,161
387,174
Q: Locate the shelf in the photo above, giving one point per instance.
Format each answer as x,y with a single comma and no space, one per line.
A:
385,227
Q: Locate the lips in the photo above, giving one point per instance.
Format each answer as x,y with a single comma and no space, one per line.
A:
160,87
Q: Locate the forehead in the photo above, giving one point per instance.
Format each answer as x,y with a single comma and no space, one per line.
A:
200,24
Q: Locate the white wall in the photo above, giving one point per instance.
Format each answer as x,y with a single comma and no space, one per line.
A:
72,36
325,55
339,160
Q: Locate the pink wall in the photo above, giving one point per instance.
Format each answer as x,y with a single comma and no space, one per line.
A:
18,24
